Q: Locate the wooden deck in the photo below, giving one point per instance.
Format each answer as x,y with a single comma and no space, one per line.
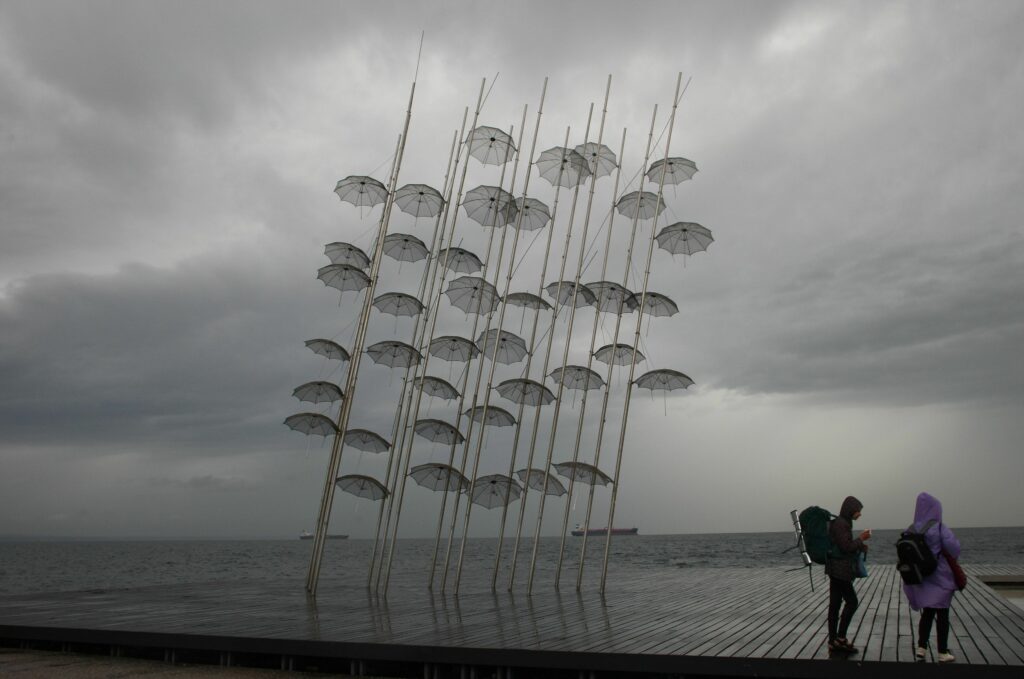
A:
690,621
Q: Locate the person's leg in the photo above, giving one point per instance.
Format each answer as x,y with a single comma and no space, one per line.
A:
942,628
924,628
849,595
835,600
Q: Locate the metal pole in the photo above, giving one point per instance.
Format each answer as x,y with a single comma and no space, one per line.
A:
551,337
357,351
590,361
636,337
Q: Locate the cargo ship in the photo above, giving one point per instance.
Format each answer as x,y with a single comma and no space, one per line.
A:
601,532
306,535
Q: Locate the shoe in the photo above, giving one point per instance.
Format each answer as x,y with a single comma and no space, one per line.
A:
921,653
835,647
847,646
946,656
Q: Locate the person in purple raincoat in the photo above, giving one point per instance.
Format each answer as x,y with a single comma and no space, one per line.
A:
934,595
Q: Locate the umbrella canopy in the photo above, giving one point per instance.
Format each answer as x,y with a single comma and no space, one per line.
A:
534,478
490,206
642,203
511,348
366,440
318,392
684,238
419,200
437,476
676,170
663,380
565,291
600,159
656,304
361,191
362,486
494,417
398,304
311,424
527,300
438,388
328,348
525,392
490,145
495,490
562,167
404,247
612,297
533,214
394,354
473,295
619,354
343,277
583,472
346,253
452,348
577,377
438,431
459,260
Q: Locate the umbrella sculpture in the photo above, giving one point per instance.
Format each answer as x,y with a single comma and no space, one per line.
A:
398,304
495,490
534,478
343,277
473,295
535,214
525,392
404,247
312,424
643,203
656,304
438,431
577,377
361,191
564,290
459,260
663,380
511,348
490,206
419,200
495,416
438,388
366,440
452,348
328,348
394,354
618,353
684,238
612,297
600,159
583,472
437,476
562,167
346,253
490,145
676,170
318,392
527,300
362,486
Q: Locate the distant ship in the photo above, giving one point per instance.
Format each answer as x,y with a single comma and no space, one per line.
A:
306,535
601,532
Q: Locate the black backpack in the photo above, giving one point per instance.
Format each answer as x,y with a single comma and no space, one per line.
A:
914,560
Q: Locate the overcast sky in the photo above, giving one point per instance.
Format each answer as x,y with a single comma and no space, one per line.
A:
166,191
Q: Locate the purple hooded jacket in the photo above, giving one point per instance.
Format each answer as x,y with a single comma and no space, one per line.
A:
937,589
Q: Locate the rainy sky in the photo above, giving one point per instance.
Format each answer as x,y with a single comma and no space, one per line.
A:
166,191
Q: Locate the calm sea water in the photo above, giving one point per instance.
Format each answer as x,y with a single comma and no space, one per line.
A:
27,567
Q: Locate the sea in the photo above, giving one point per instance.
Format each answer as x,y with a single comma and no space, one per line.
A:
28,566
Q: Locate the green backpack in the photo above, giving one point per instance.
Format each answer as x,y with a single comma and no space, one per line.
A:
814,522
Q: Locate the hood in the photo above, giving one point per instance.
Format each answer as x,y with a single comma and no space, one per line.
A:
928,508
851,506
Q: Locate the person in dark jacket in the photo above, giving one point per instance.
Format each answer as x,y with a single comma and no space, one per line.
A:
840,570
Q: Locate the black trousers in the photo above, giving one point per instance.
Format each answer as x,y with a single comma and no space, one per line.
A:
924,628
840,591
